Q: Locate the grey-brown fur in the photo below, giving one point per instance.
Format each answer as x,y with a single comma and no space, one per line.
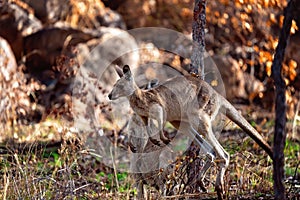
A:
188,102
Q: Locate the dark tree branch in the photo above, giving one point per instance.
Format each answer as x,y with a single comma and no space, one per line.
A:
198,26
280,107
197,65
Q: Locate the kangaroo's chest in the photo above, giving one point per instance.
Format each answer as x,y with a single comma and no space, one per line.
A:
142,104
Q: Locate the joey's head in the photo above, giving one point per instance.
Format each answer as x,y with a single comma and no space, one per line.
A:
125,86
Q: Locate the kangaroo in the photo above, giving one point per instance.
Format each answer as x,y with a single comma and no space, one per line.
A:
189,102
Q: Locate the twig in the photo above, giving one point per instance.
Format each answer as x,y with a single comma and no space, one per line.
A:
81,187
115,168
6,184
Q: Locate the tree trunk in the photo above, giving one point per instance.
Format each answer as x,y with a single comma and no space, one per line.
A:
196,68
280,107
198,26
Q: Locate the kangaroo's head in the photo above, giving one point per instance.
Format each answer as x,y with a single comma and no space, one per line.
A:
125,86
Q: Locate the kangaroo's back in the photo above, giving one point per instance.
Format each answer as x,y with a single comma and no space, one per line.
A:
185,95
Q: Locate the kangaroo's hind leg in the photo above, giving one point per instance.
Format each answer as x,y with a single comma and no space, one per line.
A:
205,127
210,153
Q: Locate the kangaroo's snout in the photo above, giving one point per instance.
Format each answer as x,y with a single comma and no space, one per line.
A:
109,96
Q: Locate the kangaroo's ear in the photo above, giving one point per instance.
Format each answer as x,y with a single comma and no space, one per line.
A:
127,72
119,71
126,69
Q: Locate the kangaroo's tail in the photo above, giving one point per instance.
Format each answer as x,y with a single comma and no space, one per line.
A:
237,118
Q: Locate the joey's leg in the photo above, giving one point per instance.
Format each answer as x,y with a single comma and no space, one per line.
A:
161,123
224,160
149,130
150,127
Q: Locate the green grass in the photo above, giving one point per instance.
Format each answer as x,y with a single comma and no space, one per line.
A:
292,149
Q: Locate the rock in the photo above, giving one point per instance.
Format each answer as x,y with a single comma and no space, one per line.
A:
97,75
17,22
23,18
150,71
76,13
50,11
151,13
7,60
238,84
43,47
114,47
40,8
111,18
14,99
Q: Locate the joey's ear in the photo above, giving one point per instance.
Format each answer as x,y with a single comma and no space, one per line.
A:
154,82
119,70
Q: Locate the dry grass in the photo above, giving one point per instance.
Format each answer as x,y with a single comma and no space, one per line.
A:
66,170
60,170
